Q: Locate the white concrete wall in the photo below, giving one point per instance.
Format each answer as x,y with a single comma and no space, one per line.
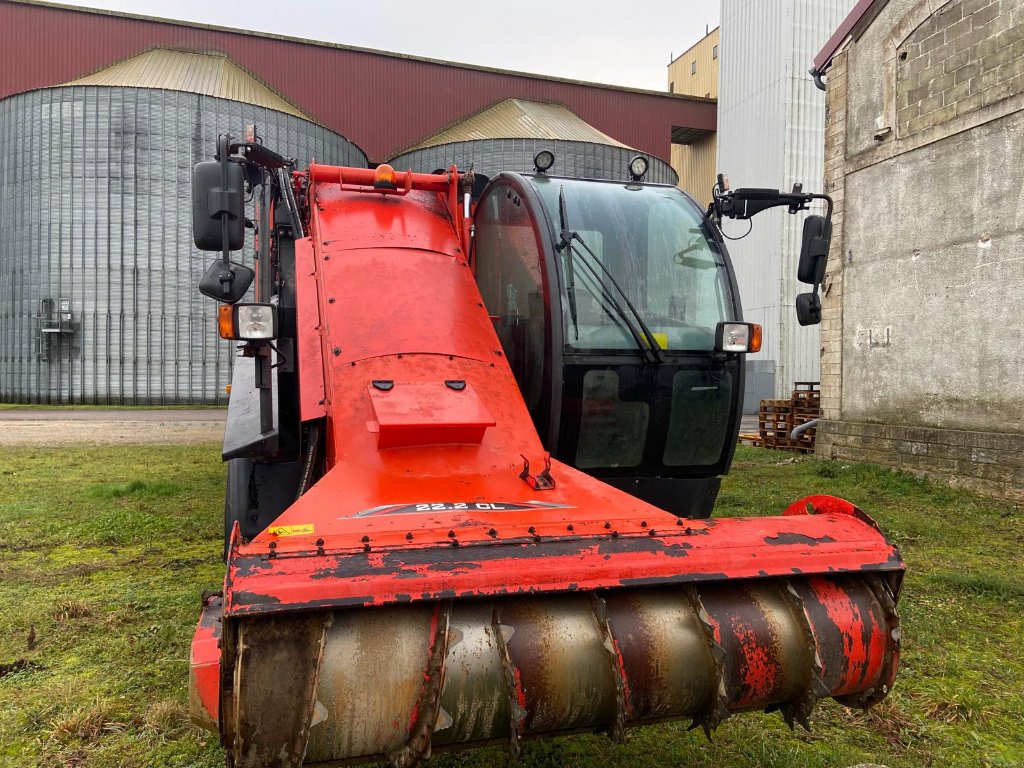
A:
771,134
933,282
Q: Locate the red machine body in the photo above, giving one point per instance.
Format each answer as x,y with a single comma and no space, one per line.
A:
438,499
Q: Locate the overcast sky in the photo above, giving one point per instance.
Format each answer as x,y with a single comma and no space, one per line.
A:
607,41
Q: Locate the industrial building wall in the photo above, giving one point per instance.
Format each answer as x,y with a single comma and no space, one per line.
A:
695,71
341,87
95,189
771,128
696,165
926,126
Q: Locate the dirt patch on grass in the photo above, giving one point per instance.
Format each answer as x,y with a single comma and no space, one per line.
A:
30,431
21,665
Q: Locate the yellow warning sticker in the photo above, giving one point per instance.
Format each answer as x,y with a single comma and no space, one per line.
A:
661,338
291,530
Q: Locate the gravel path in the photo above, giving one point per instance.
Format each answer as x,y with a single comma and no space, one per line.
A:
181,426
64,427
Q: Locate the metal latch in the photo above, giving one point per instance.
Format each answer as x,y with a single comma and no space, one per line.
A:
543,481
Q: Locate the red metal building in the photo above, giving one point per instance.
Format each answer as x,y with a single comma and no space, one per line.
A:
45,44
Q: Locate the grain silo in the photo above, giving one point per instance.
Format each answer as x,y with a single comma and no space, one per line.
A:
98,273
507,136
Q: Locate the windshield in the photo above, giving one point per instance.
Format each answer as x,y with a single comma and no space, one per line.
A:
659,249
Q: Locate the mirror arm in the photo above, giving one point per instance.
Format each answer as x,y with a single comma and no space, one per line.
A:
746,203
226,277
828,203
259,155
222,156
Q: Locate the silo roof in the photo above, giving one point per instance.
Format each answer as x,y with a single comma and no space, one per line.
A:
211,74
519,119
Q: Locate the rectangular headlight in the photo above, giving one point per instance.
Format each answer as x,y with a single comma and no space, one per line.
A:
251,322
738,337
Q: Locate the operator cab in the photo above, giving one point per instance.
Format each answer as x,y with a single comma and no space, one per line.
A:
609,299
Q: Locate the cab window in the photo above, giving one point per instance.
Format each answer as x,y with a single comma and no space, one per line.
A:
509,275
656,246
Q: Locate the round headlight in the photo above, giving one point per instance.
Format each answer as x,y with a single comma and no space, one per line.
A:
543,160
638,167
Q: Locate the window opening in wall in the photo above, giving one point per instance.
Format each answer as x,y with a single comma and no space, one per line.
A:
54,321
714,52
671,87
693,68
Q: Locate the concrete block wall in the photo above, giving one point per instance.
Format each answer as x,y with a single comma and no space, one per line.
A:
922,346
963,57
831,376
988,462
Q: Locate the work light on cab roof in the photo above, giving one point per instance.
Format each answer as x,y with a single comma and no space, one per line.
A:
543,161
638,168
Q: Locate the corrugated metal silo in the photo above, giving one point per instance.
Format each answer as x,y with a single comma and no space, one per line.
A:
772,134
98,273
507,136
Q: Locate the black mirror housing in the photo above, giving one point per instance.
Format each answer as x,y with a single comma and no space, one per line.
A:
226,281
211,200
814,250
808,308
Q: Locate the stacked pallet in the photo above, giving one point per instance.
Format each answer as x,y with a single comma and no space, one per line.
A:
777,419
775,422
806,407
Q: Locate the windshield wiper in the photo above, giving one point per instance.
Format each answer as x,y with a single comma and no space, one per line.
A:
570,278
620,316
651,349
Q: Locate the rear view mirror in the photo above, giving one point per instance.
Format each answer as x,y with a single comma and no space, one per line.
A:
808,308
226,281
814,250
212,199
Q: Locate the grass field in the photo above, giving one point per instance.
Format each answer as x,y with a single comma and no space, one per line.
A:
104,552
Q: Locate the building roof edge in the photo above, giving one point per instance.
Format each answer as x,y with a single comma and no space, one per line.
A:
352,48
863,13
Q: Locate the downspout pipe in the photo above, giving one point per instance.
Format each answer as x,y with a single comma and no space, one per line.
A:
800,429
816,75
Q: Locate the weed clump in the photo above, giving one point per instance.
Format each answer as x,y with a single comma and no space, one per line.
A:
71,610
89,723
167,719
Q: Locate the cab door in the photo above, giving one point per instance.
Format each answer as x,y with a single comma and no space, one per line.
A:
513,273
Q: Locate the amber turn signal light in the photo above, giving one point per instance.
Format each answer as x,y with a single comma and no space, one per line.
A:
755,338
226,321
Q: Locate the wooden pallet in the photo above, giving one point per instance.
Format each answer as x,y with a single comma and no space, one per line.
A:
777,418
749,438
